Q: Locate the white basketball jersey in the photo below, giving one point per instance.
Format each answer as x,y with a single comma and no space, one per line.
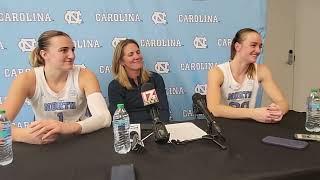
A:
238,95
67,105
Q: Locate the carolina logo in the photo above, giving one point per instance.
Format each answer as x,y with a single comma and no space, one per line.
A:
175,91
162,67
73,17
159,18
160,43
116,40
27,44
195,18
1,46
200,42
10,73
224,42
197,66
201,88
25,17
117,17
104,69
86,43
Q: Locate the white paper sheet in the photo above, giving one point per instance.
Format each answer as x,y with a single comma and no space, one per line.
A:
184,131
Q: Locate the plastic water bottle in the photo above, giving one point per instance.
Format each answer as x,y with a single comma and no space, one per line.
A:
6,155
313,111
121,126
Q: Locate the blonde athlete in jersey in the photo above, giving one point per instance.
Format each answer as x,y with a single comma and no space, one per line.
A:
60,93
232,86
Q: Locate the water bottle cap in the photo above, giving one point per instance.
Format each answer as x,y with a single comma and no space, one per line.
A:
120,106
2,111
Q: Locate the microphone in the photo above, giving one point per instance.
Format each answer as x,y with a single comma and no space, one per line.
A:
150,100
199,101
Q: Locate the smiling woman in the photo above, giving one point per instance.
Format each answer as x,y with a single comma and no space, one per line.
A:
129,75
232,86
60,93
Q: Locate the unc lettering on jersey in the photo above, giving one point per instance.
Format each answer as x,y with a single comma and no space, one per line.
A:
201,88
162,67
27,44
73,17
160,43
116,40
240,95
159,18
194,18
197,66
224,42
12,73
86,43
200,42
118,17
25,17
54,106
105,69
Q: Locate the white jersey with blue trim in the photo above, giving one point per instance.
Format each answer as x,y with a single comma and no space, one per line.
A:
69,104
235,94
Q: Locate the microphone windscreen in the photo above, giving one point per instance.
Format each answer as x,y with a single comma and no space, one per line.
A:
196,97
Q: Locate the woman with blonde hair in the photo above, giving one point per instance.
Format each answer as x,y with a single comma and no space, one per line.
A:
129,75
60,93
232,86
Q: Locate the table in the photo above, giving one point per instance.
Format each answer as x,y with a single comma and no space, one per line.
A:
91,156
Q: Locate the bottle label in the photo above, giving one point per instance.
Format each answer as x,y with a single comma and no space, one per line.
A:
5,131
315,106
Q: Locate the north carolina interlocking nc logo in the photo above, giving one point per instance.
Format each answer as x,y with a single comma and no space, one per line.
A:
162,67
73,17
200,42
201,88
159,18
116,40
27,44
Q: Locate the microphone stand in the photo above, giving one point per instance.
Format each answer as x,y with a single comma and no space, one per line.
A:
214,137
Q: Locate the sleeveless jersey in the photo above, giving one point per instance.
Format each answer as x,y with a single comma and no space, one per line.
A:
235,94
69,104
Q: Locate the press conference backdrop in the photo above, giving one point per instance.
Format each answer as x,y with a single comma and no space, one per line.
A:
180,39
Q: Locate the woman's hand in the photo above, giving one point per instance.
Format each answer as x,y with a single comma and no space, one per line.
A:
263,115
270,114
47,129
275,112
